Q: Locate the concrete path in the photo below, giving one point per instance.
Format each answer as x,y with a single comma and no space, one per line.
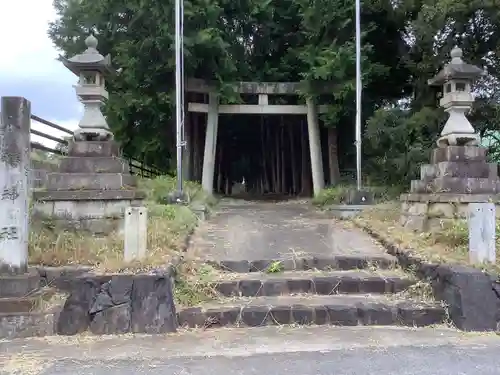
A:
251,231
308,350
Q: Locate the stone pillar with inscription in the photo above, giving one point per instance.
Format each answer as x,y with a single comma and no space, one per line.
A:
14,170
459,172
15,278
93,186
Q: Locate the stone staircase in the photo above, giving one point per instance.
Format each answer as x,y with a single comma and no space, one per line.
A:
341,290
26,306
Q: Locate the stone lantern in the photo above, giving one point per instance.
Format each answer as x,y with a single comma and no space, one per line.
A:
459,172
91,67
93,186
456,78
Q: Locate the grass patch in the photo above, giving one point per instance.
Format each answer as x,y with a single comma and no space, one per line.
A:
158,188
339,194
168,225
194,284
275,267
450,245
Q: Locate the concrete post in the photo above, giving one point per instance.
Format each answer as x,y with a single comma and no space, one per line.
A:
482,234
315,147
136,233
14,184
207,179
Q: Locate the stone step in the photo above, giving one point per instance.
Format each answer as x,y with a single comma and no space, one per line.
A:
456,185
94,164
27,303
28,324
323,283
337,262
474,169
458,153
343,310
19,285
89,181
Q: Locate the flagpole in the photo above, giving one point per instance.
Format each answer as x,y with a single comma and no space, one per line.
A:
179,92
358,94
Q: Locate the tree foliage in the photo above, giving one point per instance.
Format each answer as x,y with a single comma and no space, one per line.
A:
405,42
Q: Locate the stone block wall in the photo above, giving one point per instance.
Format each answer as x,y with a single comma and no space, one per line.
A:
39,172
122,303
101,304
434,211
94,211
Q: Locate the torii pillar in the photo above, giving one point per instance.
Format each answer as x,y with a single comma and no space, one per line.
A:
315,147
207,179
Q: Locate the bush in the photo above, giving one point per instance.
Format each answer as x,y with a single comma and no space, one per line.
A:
338,194
158,188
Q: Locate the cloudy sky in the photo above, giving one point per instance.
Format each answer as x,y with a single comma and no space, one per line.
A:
28,66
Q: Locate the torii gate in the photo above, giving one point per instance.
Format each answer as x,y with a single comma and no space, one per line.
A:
263,90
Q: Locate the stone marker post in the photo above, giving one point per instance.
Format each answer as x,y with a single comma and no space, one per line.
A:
14,172
136,229
482,233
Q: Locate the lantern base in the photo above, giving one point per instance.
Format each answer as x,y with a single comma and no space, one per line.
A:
458,139
92,134
455,177
91,190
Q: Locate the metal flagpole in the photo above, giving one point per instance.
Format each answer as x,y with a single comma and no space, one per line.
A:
179,91
358,94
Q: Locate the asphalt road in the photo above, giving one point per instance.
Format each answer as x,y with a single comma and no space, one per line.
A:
443,360
263,351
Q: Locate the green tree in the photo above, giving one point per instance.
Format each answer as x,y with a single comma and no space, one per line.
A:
398,139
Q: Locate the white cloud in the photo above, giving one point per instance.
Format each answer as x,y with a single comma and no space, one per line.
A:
29,56
27,50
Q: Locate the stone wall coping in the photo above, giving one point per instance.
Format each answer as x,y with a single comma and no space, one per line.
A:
349,207
65,277
450,198
88,195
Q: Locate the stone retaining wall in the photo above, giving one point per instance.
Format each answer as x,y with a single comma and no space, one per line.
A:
101,304
471,295
112,304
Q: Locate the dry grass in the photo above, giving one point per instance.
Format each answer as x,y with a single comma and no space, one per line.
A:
168,226
25,364
449,245
49,299
194,284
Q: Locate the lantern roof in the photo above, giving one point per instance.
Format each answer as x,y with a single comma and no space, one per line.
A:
90,59
456,69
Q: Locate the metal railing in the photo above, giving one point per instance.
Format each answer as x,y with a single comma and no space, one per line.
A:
136,167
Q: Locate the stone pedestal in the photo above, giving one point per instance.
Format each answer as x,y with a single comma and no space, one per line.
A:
91,190
457,176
